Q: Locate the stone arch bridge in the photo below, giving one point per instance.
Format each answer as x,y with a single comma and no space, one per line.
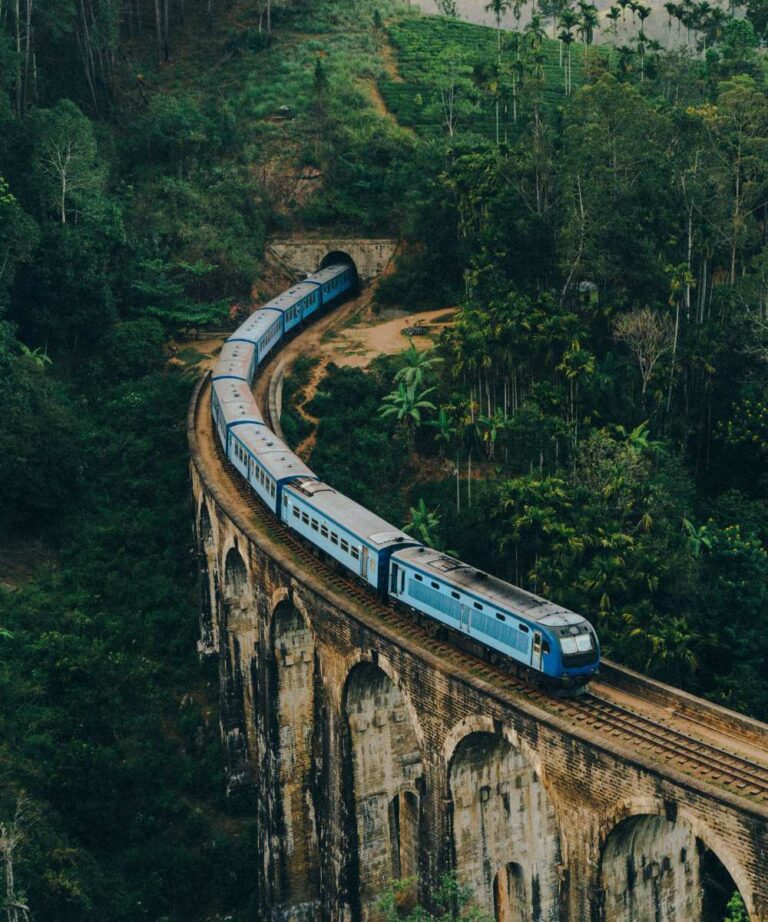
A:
377,752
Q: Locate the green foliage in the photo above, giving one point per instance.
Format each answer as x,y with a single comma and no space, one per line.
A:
355,450
167,293
39,445
450,902
424,63
737,911
122,770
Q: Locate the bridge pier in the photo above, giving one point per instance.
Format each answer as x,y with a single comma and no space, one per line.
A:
368,757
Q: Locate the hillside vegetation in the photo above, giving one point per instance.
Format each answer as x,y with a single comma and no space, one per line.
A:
599,218
592,427
140,172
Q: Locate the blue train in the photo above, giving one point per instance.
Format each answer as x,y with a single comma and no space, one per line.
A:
537,636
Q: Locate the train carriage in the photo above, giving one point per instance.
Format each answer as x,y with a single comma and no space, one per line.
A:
265,461
264,329
334,281
530,630
237,361
232,404
295,304
346,531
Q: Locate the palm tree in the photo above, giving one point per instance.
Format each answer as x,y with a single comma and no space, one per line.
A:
534,31
613,14
489,428
588,21
681,280
38,358
446,430
418,366
423,523
407,405
498,8
566,38
643,12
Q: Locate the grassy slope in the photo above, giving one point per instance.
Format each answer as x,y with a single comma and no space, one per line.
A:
419,43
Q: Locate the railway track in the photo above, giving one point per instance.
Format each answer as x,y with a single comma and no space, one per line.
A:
650,738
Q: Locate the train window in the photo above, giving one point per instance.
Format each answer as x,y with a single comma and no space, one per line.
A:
296,512
345,545
355,552
500,617
456,595
584,643
568,644
324,530
478,606
272,489
305,518
285,501
523,628
334,538
315,525
435,585
545,646
417,577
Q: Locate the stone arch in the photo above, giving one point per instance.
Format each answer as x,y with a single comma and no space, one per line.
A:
334,257
383,785
656,866
236,585
505,836
205,528
291,714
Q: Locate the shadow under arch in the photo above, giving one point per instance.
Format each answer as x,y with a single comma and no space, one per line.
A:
653,865
505,836
334,257
235,575
208,582
204,528
382,780
290,715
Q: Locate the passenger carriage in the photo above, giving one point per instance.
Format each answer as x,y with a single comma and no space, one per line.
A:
265,461
263,329
232,404
295,304
333,281
343,529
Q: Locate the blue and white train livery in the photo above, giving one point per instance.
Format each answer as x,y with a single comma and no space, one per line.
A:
511,624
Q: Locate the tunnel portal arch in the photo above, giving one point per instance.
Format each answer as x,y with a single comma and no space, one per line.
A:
334,257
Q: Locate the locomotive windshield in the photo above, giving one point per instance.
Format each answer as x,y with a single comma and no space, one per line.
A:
582,643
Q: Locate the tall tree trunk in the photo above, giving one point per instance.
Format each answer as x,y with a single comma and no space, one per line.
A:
158,32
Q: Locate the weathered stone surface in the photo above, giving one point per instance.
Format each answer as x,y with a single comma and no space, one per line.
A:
368,759
302,255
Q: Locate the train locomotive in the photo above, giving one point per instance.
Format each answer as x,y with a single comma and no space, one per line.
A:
514,627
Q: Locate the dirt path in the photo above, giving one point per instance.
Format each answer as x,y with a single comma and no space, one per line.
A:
389,58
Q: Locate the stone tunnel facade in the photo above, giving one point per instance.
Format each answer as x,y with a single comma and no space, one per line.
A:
369,763
302,255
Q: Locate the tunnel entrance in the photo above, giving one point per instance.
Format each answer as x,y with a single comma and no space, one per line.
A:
334,257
